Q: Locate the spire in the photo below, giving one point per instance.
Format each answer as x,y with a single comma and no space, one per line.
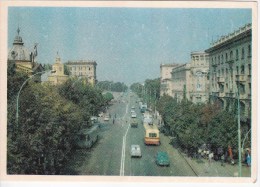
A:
18,39
58,58
18,31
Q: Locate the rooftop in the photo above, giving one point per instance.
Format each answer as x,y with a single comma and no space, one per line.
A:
241,30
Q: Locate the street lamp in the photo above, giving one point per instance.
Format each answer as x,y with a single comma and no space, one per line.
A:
239,130
17,99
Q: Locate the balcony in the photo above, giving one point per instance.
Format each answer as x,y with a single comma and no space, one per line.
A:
249,78
243,96
220,79
230,94
241,78
215,94
221,94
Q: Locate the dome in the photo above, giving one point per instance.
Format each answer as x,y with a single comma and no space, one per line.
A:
18,51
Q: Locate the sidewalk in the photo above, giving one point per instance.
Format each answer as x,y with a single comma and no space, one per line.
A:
202,167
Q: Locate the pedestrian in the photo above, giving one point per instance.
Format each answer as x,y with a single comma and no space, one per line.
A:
211,155
248,159
222,160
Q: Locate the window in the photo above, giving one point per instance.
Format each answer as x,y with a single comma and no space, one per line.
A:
237,55
249,69
249,51
222,59
237,70
226,72
201,57
231,55
243,53
226,57
152,135
242,69
222,72
218,59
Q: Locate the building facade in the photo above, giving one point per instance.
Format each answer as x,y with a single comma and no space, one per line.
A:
181,83
58,77
199,68
83,69
230,71
165,79
190,80
23,58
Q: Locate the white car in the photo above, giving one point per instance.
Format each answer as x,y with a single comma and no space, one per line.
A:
133,107
133,115
135,151
106,118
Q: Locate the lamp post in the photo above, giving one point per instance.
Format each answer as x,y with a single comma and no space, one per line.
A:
18,95
239,131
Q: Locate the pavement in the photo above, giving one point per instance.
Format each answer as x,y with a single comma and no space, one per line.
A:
203,168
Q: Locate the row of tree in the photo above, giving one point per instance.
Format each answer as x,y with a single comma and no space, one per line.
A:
194,125
41,140
149,91
111,86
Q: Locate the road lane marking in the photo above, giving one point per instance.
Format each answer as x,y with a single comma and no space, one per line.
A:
122,166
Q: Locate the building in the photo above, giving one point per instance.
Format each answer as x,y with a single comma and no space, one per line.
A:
58,76
199,68
24,59
190,80
181,82
230,71
165,79
83,69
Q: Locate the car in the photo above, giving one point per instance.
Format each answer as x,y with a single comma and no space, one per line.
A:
133,107
134,123
133,115
132,111
136,151
106,118
162,158
94,119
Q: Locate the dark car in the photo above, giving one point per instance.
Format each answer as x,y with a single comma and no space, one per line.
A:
162,159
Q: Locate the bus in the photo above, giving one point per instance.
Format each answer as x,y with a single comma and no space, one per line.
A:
86,138
151,134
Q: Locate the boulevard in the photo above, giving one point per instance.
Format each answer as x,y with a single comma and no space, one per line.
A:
111,154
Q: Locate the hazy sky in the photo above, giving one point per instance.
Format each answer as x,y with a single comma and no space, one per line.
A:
128,44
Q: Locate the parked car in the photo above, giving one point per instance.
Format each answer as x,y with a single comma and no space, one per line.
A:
162,159
136,151
133,107
106,118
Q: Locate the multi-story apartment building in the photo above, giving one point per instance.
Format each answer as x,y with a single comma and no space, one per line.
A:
165,79
83,69
191,80
181,82
199,68
230,70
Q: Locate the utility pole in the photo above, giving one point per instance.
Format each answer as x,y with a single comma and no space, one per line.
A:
239,130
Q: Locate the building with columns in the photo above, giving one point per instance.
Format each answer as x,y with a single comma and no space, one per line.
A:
230,71
165,79
58,77
199,68
83,69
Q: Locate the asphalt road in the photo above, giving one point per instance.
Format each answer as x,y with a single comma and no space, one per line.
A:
111,154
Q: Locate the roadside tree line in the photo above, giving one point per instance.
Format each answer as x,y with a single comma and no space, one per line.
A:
193,125
42,140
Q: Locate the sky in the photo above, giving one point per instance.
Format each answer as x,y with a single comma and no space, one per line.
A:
128,44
